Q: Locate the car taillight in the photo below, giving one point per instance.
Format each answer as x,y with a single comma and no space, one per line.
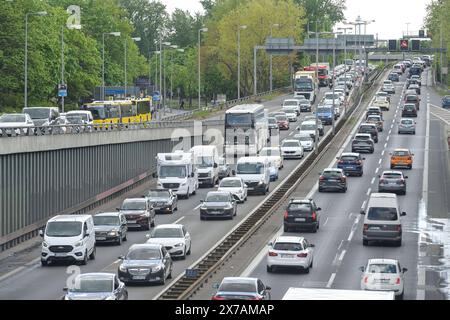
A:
399,228
272,254
255,298
409,158
314,216
382,180
402,181
218,298
343,179
366,279
359,162
302,255
397,281
286,214
322,178
341,161
366,227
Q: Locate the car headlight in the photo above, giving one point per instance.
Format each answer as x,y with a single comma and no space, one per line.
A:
228,207
79,243
179,245
156,269
110,298
112,233
159,184
203,207
183,184
122,268
261,182
44,244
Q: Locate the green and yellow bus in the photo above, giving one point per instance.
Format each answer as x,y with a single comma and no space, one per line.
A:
120,111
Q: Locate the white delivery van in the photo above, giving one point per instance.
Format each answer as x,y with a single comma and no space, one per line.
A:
336,294
84,114
255,171
68,238
206,160
176,171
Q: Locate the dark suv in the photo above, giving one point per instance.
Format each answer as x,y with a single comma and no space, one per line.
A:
394,77
369,128
351,163
302,214
409,110
363,143
333,179
446,102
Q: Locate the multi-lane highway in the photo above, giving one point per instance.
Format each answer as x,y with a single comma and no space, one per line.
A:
49,281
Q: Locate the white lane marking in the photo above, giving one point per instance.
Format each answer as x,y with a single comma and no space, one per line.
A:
379,161
392,125
326,221
330,282
179,220
197,207
363,205
290,134
350,237
376,171
369,191
340,245
373,180
393,120
341,257
388,138
385,145
11,273
382,153
350,215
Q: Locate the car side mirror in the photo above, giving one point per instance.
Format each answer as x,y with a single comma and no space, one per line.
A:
270,244
86,234
65,289
268,288
154,175
406,177
202,201
246,186
147,236
121,257
312,245
361,269
319,209
41,233
118,209
233,172
192,174
236,198
404,270
362,212
403,214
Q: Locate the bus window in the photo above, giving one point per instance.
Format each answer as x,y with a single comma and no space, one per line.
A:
98,112
114,112
127,110
143,107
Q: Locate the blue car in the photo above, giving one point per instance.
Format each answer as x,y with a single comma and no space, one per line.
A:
446,102
325,114
351,164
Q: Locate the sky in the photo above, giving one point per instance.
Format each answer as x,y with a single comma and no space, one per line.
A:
390,16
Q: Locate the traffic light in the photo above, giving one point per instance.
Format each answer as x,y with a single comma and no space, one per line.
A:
392,45
415,45
404,45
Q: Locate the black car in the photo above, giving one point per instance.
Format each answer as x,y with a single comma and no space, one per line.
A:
409,110
218,204
394,77
96,286
392,182
146,263
333,179
139,213
301,214
446,102
351,163
363,143
110,227
163,200
369,128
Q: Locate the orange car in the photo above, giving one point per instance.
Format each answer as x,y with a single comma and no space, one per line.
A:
402,158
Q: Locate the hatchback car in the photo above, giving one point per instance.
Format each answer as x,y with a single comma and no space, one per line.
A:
376,120
362,142
383,94
369,128
402,158
383,275
218,204
283,121
139,213
174,237
306,141
392,181
388,87
333,179
351,163
292,149
409,110
241,288
415,87
110,227
96,286
290,252
163,200
413,99
17,123
381,102
305,105
374,111
302,214
318,122
236,186
146,263
407,126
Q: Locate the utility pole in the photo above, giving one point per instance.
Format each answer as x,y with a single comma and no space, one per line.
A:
62,66
239,59
271,57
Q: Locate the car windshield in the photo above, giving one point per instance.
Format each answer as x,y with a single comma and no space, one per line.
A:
250,168
92,285
98,112
272,120
400,153
270,152
74,120
230,184
134,205
159,194
37,113
204,162
63,229
373,118
290,103
167,233
349,158
290,144
144,254
12,118
366,128
304,102
307,127
323,110
241,286
382,214
304,138
391,175
217,197
281,118
332,174
172,172
411,98
329,96
409,107
286,246
300,207
362,137
106,221
407,121
382,268
301,85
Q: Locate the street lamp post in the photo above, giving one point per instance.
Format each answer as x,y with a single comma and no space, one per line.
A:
39,13
171,75
165,44
345,64
333,79
199,65
239,59
137,39
276,25
115,34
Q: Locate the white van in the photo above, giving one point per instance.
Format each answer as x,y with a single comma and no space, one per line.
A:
68,238
255,171
382,219
85,115
206,160
176,171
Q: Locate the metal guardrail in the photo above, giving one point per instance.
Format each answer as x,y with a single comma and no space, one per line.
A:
184,287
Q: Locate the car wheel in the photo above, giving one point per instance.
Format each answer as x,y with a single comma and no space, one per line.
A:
195,192
183,257
365,242
125,295
44,263
311,265
163,280
410,167
119,241
320,189
125,237
152,224
269,269
306,270
187,195
392,167
170,274
400,297
286,229
94,252
147,226
84,261
189,251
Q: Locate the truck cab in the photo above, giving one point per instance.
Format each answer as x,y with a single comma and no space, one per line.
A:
206,160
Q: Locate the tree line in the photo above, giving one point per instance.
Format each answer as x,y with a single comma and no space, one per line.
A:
150,21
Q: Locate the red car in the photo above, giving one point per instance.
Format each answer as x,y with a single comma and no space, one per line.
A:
283,122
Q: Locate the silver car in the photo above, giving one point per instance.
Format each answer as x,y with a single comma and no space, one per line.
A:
96,286
407,125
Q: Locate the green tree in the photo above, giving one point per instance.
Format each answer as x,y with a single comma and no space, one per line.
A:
328,12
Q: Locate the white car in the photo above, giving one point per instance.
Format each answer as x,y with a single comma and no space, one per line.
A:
235,186
20,121
291,114
292,104
292,149
293,252
381,102
273,154
383,275
174,237
328,99
306,141
309,127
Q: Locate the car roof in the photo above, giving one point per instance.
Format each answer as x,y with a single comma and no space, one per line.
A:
332,169
231,178
169,226
392,172
363,135
382,260
135,200
238,279
107,214
146,245
401,149
367,124
379,195
97,275
355,154
295,100
290,140
250,159
218,192
70,217
287,239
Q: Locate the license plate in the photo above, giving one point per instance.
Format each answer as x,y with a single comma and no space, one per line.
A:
348,167
289,256
300,219
60,254
131,221
138,277
100,238
215,212
374,228
332,180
